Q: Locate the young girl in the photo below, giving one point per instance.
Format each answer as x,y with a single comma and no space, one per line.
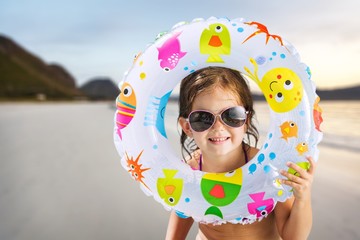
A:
216,143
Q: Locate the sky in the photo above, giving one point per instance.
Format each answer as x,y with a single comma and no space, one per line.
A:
99,38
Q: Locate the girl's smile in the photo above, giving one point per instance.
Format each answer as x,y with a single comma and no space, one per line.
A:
218,140
220,143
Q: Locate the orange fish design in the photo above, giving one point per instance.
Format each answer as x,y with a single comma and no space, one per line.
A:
126,107
302,148
288,129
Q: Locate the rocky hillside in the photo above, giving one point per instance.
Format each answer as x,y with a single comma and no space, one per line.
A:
25,76
100,89
350,93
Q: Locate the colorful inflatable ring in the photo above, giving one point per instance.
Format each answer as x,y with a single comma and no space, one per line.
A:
246,194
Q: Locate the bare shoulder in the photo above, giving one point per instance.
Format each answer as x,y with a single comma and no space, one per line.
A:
252,151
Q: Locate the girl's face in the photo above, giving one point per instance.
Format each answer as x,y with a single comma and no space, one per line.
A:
220,140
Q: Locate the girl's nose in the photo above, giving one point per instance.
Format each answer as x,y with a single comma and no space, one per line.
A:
218,123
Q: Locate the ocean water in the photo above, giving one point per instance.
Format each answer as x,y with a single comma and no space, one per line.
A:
341,123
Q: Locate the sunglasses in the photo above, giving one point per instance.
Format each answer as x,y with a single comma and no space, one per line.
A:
201,120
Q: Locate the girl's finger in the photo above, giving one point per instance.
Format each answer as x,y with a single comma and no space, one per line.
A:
291,177
288,183
293,184
299,171
312,165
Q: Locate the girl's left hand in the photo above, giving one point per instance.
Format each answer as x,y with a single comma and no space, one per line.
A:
301,182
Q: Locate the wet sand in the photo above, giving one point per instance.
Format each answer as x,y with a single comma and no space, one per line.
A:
60,178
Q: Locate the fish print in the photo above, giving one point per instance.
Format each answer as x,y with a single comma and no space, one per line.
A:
289,129
170,53
260,207
302,148
126,107
169,187
155,113
220,189
215,41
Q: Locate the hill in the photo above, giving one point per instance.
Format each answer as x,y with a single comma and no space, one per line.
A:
25,76
100,89
350,93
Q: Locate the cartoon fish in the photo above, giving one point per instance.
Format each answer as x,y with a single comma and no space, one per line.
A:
289,129
260,207
304,165
282,87
215,41
317,112
126,107
155,113
170,188
134,168
220,189
170,53
302,148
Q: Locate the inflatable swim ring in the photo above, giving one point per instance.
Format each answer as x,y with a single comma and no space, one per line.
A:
246,194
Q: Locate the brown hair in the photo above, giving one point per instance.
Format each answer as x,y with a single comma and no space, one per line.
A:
206,79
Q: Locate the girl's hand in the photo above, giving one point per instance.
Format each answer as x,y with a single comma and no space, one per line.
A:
302,181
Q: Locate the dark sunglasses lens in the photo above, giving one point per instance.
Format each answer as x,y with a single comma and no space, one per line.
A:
201,121
234,117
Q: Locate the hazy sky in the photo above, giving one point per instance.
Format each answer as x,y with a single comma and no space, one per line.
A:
93,38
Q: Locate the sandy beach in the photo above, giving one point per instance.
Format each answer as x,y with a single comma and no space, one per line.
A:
61,178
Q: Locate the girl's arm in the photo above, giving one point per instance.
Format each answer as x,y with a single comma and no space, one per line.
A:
294,217
178,228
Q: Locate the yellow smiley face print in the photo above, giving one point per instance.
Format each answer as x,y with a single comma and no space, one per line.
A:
282,87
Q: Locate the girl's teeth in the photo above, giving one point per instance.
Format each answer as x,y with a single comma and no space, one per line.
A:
218,139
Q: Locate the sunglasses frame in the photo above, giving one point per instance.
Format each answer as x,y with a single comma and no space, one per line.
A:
216,116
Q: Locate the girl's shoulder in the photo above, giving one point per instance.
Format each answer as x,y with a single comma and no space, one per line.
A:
252,151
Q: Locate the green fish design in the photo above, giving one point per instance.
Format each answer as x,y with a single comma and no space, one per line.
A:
215,41
169,187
